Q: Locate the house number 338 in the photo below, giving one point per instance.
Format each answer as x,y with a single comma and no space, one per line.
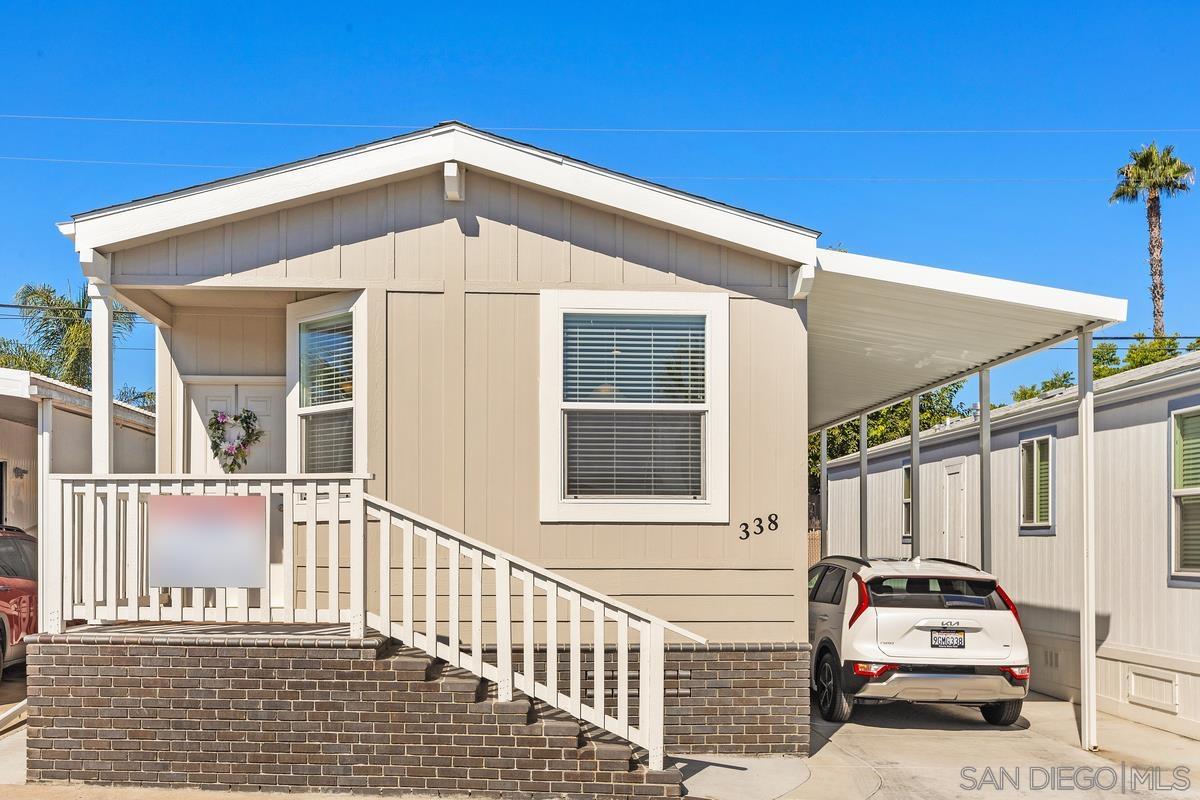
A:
757,526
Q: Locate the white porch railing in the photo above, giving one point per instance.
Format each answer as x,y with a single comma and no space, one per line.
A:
338,555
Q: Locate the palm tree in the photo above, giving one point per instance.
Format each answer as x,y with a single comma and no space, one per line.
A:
1151,174
58,334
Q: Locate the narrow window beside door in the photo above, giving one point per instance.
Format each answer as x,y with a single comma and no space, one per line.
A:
1036,469
907,503
1185,490
327,394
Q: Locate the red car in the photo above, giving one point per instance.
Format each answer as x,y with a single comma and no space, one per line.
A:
18,593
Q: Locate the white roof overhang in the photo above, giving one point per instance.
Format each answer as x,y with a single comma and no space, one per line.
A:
115,227
879,330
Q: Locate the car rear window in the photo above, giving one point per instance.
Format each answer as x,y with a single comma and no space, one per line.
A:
13,563
912,592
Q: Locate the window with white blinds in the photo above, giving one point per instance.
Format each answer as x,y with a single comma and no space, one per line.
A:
326,351
1035,482
634,406
633,366
1186,491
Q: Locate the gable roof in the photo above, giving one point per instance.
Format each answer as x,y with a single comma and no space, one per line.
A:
118,226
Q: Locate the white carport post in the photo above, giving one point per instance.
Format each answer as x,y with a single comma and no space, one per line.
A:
914,478
1087,518
824,490
985,469
862,486
102,379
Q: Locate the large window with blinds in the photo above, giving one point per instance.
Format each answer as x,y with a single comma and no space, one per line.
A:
634,402
1185,491
326,356
1036,472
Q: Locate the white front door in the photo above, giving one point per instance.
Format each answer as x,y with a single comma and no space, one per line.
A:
265,400
954,513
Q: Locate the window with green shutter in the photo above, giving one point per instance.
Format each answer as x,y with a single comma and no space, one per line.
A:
1186,491
1036,464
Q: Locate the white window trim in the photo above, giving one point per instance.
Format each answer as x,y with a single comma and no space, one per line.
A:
307,311
905,506
1176,494
1032,442
715,505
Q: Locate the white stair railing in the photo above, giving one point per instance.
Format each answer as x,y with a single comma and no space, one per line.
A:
406,576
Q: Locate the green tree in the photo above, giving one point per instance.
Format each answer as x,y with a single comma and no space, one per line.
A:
1105,360
1150,350
141,398
1061,379
886,425
1150,175
58,334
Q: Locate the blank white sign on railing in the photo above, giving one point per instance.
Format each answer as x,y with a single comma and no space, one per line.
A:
207,541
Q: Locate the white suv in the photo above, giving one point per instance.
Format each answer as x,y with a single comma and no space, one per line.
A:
925,630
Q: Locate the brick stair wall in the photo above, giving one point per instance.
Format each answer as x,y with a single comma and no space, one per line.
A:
743,698
302,713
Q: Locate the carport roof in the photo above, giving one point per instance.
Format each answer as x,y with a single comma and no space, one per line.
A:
881,330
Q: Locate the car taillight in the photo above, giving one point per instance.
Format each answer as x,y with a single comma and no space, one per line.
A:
1008,602
867,669
1017,673
864,601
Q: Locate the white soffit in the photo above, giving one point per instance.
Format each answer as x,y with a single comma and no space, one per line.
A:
880,330
106,229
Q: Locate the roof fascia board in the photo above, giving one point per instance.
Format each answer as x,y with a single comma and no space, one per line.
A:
289,184
1093,307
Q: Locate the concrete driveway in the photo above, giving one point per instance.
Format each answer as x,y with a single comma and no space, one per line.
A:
934,752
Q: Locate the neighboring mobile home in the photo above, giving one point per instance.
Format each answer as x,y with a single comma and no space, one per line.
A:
30,403
1147,457
540,421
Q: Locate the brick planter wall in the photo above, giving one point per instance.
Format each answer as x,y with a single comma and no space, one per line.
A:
131,705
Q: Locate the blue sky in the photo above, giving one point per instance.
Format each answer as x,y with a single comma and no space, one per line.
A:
1029,206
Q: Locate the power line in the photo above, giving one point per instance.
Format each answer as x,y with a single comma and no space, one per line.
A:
925,179
118,163
602,129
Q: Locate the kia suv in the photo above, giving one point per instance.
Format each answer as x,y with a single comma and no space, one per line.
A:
922,630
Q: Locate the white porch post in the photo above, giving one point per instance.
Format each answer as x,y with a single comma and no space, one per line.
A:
102,379
49,532
1087,518
914,471
824,490
863,542
985,469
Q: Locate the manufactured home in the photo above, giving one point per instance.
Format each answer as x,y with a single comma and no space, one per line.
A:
529,441
1147,429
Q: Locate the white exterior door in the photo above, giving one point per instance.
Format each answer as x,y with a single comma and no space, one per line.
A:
265,400
954,513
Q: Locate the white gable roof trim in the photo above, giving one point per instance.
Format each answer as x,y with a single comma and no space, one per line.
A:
33,386
110,228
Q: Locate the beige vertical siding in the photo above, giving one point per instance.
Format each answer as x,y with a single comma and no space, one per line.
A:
458,337
1146,640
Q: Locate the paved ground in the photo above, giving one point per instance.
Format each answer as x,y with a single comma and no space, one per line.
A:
899,751
12,690
885,753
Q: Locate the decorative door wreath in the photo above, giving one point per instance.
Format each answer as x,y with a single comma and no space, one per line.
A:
231,454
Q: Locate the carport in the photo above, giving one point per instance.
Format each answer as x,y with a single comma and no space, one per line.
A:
882,332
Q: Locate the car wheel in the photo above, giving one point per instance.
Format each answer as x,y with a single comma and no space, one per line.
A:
1005,713
832,702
